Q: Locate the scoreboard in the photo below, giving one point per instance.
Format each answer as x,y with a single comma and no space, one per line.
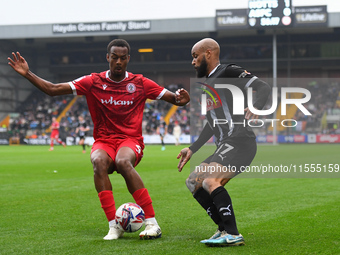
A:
269,13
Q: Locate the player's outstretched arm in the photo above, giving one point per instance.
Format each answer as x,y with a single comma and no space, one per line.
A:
184,156
180,97
19,64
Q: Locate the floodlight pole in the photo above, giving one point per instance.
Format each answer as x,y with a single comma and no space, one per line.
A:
274,81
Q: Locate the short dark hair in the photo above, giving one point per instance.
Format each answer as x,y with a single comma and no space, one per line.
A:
118,43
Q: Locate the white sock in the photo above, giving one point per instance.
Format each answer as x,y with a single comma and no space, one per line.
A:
112,223
151,220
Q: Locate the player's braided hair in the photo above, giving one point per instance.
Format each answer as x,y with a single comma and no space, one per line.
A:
118,43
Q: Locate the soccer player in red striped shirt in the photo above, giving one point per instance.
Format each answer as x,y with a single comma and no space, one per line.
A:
116,101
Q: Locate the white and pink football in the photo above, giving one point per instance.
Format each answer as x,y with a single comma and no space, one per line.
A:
130,217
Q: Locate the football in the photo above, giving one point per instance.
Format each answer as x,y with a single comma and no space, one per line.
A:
130,217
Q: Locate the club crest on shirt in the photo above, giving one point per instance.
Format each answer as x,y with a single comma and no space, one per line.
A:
131,88
213,104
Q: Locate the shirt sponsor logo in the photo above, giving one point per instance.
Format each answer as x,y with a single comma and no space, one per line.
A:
116,102
104,86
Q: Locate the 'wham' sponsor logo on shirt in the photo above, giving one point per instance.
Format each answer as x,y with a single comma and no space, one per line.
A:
116,102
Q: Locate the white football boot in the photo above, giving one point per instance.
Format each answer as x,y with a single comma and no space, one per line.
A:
115,231
152,230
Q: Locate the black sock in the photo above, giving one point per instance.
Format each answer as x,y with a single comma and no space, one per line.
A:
83,146
205,200
224,207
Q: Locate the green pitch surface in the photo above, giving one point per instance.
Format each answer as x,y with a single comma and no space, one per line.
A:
48,205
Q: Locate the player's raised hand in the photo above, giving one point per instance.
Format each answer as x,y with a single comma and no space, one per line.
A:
18,63
182,97
184,156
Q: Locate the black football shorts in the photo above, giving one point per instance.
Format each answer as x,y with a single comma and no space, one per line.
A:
234,154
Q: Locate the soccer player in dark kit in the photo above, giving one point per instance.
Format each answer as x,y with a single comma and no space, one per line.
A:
116,100
236,144
81,131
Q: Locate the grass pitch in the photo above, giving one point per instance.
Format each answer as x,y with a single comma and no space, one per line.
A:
48,205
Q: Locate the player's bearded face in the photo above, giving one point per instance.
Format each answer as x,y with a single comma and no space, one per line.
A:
202,68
